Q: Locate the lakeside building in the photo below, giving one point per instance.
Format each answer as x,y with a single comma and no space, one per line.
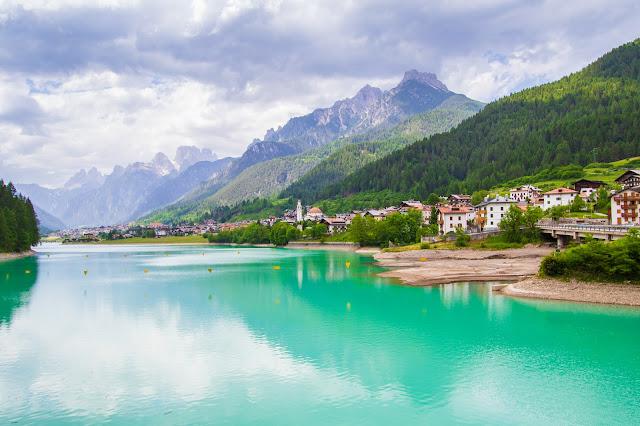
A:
629,179
624,206
314,214
451,218
587,187
334,224
559,197
489,213
524,193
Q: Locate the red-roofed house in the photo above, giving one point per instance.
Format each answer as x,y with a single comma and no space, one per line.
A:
451,218
559,197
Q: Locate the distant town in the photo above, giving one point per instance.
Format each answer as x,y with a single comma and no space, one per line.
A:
456,212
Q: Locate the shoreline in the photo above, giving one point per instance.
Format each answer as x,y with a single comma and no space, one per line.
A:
17,255
441,266
575,291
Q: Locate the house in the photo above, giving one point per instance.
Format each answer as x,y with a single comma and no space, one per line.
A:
629,179
334,224
451,218
153,225
559,197
489,213
524,193
459,199
624,206
587,187
376,214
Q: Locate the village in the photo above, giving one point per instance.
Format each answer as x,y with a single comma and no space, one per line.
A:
450,214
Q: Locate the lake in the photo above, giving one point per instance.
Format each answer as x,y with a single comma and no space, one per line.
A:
313,342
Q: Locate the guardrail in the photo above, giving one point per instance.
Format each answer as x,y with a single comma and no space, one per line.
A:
597,228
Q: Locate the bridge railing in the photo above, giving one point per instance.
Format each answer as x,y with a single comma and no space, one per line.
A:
597,228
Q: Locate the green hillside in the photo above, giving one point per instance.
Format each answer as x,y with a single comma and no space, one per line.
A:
596,111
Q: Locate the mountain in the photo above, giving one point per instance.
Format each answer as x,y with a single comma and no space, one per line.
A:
48,223
371,110
90,198
187,156
592,112
327,164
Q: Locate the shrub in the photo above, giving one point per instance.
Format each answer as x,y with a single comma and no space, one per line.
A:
425,246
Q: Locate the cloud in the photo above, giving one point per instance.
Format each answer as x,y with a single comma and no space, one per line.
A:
106,82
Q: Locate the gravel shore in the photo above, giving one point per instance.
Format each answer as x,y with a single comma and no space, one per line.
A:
18,255
463,265
575,291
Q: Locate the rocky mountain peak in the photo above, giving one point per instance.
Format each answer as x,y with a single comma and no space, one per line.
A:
425,78
187,156
93,179
162,165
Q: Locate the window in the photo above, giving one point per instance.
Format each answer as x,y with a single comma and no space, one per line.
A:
491,214
491,208
501,208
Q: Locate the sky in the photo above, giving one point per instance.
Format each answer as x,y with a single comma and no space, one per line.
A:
106,82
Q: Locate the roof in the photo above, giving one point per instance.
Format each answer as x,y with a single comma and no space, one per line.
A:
561,191
460,196
627,173
334,221
497,200
595,182
525,188
634,189
315,210
454,210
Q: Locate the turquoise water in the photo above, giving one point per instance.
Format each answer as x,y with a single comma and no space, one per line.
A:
313,342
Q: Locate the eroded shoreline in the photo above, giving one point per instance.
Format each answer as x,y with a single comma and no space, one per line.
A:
463,265
17,255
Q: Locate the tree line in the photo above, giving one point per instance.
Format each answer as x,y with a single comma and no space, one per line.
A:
18,221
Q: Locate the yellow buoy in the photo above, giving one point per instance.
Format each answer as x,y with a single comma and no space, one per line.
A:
277,301
85,272
167,254
125,255
86,255
238,252
348,305
348,264
276,267
423,259
203,254
27,272
145,271
47,255
7,254
209,270
307,248
424,310
272,250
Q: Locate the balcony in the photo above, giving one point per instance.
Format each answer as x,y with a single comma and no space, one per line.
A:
627,197
629,215
629,206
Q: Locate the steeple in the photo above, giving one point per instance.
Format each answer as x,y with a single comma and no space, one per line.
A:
299,212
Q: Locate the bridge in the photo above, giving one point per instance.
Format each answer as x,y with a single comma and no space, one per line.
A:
567,232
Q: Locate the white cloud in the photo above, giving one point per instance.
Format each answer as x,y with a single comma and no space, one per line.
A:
100,83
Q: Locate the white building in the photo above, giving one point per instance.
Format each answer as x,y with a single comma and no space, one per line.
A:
450,218
489,213
559,197
299,212
524,193
624,207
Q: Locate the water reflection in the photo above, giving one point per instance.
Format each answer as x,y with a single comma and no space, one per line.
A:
17,277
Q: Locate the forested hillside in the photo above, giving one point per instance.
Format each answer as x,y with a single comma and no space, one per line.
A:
592,112
18,221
